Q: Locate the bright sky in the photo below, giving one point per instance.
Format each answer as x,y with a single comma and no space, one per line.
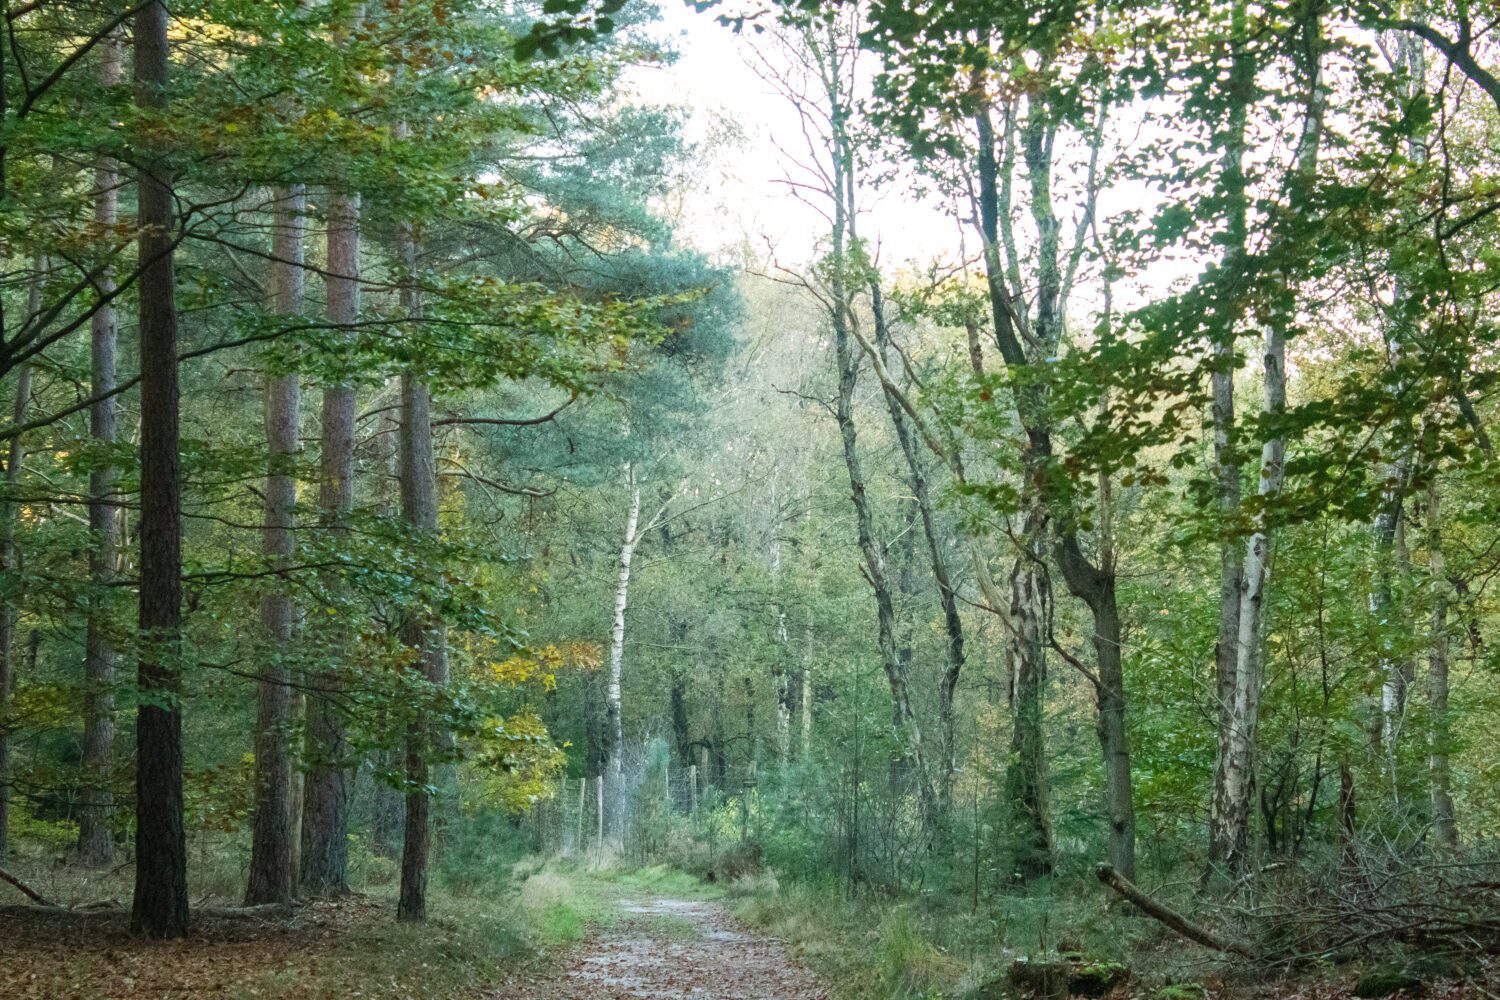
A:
737,198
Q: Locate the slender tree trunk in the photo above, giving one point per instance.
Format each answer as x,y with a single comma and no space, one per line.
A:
96,844
1237,777
272,875
388,812
614,722
424,632
1228,806
807,691
1396,672
325,820
876,570
1234,790
160,905
1445,827
947,596
784,693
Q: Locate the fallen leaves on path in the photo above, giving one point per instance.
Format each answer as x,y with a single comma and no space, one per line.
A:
671,949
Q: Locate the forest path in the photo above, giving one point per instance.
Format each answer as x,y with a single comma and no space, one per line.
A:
674,949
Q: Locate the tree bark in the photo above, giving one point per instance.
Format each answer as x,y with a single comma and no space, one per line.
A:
272,878
947,595
614,722
1228,807
1092,583
325,820
1234,775
14,462
96,844
1444,825
160,904
1026,772
423,631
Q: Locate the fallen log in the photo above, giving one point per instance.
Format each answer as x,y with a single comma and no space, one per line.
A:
104,910
26,890
1171,918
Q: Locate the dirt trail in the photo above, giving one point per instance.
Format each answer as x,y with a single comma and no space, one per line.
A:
675,949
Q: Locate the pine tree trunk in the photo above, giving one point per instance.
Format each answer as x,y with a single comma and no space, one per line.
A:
14,462
272,861
325,820
614,723
388,811
423,632
96,844
160,905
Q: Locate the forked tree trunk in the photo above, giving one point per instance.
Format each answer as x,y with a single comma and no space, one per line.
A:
325,810
272,874
96,842
614,722
160,903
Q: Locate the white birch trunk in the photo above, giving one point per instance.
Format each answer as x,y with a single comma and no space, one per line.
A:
617,654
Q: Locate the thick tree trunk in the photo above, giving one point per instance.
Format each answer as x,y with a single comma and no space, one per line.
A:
272,874
1030,836
160,904
423,632
614,722
14,462
325,820
1444,825
96,842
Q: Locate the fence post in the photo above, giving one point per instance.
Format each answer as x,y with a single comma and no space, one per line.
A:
599,800
692,788
583,783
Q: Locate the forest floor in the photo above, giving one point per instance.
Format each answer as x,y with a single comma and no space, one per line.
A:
543,932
